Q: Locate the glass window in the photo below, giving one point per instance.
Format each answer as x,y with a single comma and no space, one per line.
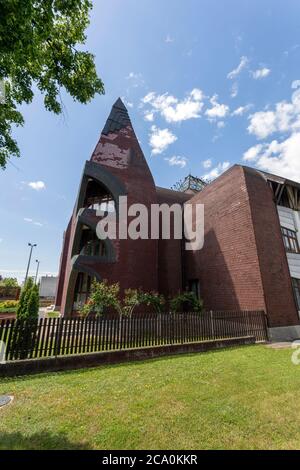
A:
290,240
296,287
194,287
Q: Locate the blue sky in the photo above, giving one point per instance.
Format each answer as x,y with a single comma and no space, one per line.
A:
208,83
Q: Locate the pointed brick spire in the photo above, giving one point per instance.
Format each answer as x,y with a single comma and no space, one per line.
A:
118,118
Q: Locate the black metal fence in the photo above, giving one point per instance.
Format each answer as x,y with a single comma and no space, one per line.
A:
64,336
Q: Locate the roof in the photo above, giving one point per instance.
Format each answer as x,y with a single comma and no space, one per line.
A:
275,178
118,118
169,195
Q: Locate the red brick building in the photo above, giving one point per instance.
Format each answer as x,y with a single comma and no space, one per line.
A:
251,256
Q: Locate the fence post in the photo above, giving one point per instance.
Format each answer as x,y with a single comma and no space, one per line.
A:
159,328
265,317
212,324
58,336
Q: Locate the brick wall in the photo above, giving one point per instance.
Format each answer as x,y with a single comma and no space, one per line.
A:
275,273
243,264
227,266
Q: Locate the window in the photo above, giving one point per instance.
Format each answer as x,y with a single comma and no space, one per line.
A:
194,287
82,290
290,240
296,287
91,245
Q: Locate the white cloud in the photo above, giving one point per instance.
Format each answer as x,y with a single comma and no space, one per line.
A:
169,39
241,110
284,118
133,75
128,104
234,73
295,84
31,221
262,124
221,124
217,171
207,163
160,139
280,158
37,185
177,161
261,73
174,110
217,110
252,153
136,79
149,116
1,240
234,90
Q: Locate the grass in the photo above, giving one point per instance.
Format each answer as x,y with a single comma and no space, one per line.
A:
53,314
8,309
244,398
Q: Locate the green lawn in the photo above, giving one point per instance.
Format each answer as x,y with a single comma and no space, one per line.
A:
244,398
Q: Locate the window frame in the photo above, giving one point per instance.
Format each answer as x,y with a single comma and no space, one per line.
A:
290,240
296,290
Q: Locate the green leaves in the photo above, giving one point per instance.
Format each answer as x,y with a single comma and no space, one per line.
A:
37,46
186,300
28,308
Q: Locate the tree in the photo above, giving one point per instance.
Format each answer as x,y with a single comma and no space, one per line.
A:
24,335
9,282
186,300
22,309
32,312
38,41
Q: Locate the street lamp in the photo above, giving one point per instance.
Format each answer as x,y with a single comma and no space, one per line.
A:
37,270
32,245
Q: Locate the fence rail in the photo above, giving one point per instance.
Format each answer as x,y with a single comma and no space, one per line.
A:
64,336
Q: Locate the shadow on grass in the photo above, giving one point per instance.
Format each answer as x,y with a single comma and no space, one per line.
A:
39,441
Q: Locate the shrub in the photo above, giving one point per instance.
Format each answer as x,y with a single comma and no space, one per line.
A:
32,311
186,300
24,298
9,304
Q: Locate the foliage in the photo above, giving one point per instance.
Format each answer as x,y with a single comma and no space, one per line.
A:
153,299
9,282
104,295
186,300
9,304
33,304
38,41
28,307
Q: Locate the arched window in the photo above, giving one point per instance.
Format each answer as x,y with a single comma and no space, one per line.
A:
90,244
98,197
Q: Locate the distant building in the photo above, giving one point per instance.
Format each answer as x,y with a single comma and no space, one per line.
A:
48,286
251,254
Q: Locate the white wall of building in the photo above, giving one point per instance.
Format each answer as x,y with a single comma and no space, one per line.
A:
48,285
291,219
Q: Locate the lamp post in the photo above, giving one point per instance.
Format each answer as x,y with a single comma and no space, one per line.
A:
37,270
32,245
